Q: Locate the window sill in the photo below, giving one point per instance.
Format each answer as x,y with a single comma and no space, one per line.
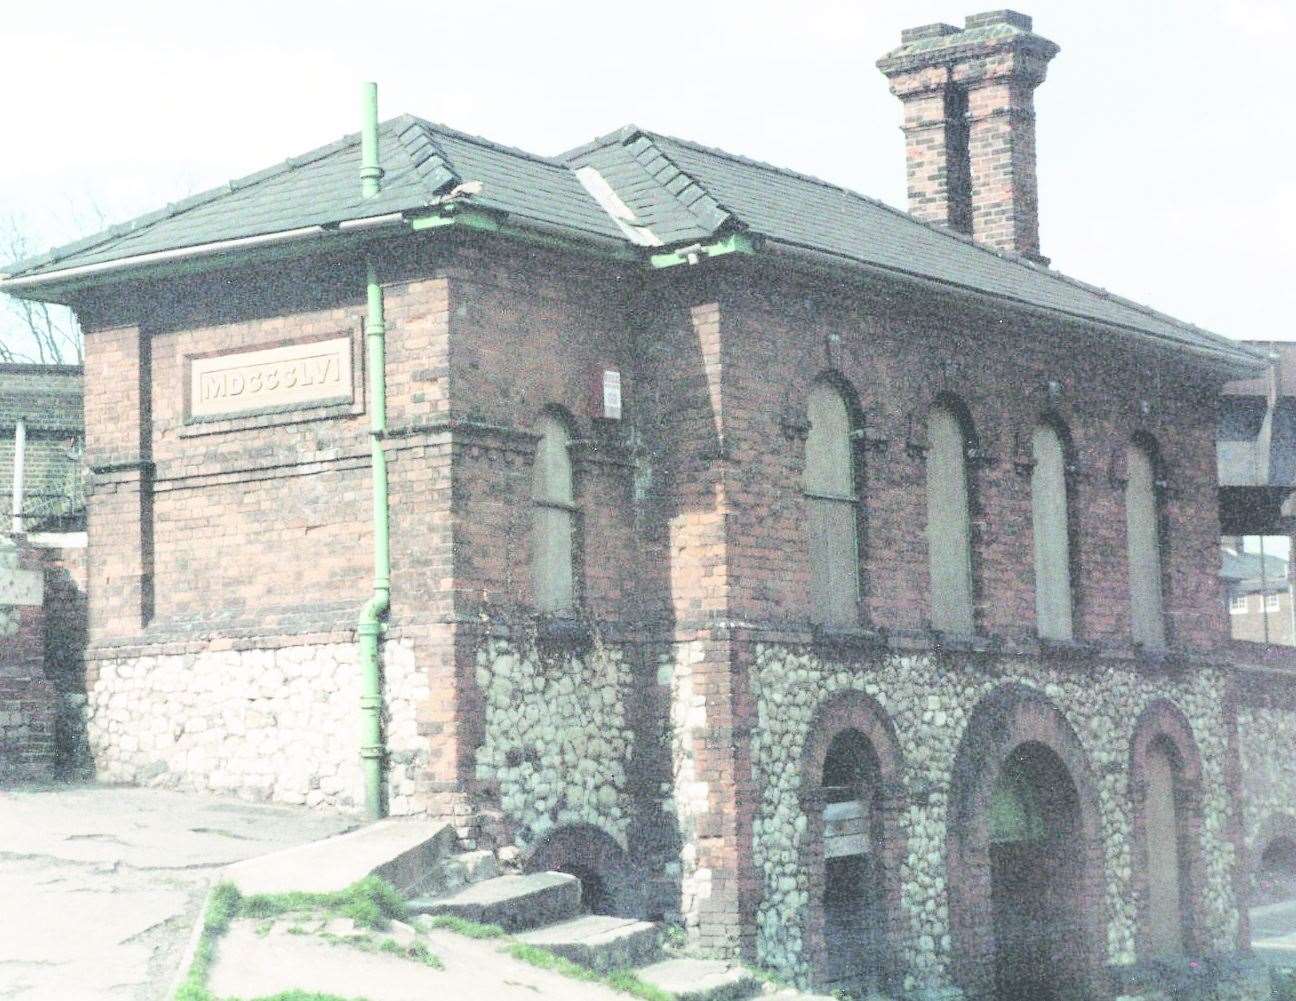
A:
850,637
1066,649
562,629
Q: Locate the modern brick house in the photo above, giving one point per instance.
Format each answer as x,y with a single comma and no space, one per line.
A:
838,582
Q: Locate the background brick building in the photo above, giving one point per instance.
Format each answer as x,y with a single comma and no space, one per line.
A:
710,488
42,571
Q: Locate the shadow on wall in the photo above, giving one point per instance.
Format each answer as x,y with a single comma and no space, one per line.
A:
66,636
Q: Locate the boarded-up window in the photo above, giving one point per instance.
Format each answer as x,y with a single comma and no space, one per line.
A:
552,516
1052,538
949,535
829,485
1143,533
1165,920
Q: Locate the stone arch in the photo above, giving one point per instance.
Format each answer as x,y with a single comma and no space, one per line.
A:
1008,719
854,712
1274,844
1163,725
608,883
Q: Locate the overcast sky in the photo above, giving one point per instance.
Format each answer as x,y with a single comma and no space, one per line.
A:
1165,129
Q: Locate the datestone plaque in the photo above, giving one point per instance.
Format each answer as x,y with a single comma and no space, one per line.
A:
287,377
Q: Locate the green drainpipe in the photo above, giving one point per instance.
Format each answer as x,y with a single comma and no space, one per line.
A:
370,625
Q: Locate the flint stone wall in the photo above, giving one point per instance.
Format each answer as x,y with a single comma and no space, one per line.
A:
278,725
1267,741
929,699
556,739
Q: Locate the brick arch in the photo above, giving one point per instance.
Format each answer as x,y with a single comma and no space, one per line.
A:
1164,723
852,710
608,881
791,416
958,391
1006,719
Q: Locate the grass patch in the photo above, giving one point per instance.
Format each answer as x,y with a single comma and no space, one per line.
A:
222,908
416,951
462,926
295,995
370,903
1284,985
546,960
624,981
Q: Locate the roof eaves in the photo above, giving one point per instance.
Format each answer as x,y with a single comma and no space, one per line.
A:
20,268
1227,353
964,238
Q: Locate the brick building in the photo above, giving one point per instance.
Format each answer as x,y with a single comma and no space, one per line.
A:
42,571
710,487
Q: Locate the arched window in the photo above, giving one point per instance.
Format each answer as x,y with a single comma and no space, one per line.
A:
829,486
552,518
949,528
1050,523
1161,817
1142,522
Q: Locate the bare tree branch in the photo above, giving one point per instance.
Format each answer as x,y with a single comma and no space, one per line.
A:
33,331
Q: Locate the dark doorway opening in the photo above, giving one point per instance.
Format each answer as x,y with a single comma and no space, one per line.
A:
1036,879
853,898
595,898
1276,875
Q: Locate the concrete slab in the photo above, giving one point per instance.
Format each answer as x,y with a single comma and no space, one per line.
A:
1273,934
248,966
406,853
101,885
701,979
512,902
598,941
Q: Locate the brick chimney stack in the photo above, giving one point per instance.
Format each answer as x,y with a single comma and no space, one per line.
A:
969,125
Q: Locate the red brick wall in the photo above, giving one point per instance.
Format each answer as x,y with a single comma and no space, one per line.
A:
27,699
898,354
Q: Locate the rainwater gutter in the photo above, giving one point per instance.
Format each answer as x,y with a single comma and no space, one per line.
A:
370,625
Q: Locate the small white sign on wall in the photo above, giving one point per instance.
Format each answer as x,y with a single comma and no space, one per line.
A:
612,394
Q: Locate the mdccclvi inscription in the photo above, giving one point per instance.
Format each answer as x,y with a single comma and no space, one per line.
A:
287,377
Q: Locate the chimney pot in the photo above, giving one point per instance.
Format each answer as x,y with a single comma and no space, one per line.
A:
969,124
991,17
926,31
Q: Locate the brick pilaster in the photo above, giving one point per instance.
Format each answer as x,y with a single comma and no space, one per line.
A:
120,506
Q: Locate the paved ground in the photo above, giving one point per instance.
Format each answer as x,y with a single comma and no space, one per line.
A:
100,885
1273,933
248,965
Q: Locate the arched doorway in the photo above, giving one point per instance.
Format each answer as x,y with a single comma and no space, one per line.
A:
854,915
853,800
1034,875
1165,790
1024,855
